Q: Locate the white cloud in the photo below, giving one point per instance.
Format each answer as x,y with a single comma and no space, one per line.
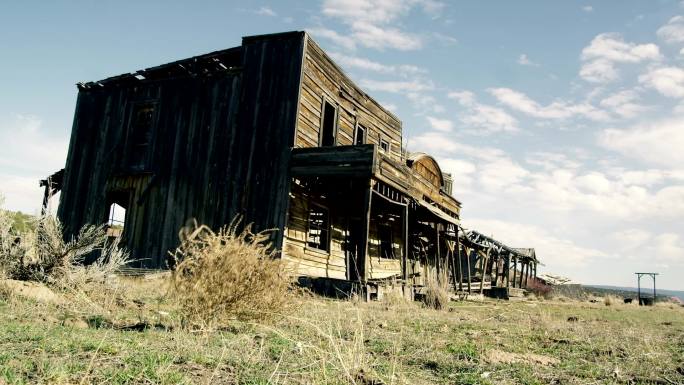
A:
266,11
599,71
606,49
658,143
673,31
559,207
444,125
525,61
562,185
445,39
556,110
389,106
462,172
663,249
425,103
669,81
464,98
555,251
28,155
340,40
623,103
380,37
611,46
551,160
588,8
371,22
349,61
396,86
481,118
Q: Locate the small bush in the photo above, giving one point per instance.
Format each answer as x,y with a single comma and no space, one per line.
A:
436,292
539,289
229,274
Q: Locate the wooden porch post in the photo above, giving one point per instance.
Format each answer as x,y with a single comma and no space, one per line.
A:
459,266
362,261
515,271
507,270
484,270
438,258
404,259
469,271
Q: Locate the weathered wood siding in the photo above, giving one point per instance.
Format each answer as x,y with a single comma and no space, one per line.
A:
323,79
219,147
383,266
309,261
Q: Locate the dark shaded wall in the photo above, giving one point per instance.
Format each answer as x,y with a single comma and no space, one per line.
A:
219,147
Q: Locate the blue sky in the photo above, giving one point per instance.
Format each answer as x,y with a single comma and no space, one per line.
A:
562,122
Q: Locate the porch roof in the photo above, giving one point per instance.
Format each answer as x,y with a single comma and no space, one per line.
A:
365,161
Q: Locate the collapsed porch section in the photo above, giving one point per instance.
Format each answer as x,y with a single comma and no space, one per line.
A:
356,215
358,218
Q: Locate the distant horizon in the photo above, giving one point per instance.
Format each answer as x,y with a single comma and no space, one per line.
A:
647,288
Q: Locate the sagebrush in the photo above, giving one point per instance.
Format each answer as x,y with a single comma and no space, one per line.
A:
229,274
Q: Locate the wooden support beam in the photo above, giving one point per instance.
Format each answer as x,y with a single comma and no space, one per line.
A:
459,264
515,272
507,270
404,257
362,261
484,270
469,270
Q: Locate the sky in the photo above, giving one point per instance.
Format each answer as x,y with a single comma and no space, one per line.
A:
561,122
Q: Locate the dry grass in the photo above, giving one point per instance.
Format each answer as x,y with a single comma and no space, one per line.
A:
229,275
436,292
40,254
342,342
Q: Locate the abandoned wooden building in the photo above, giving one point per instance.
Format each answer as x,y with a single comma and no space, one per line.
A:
274,131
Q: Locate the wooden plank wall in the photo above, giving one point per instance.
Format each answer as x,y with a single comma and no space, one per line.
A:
381,266
220,147
322,78
306,260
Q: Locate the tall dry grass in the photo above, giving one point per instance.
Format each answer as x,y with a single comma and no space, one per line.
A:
229,274
436,291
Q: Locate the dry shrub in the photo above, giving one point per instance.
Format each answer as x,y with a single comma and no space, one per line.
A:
40,254
229,275
394,299
539,289
11,248
436,292
610,300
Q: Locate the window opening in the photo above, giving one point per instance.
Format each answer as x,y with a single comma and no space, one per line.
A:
385,235
360,135
142,121
384,145
117,216
329,126
319,227
117,205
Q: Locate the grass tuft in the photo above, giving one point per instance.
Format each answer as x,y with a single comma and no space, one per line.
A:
229,275
436,292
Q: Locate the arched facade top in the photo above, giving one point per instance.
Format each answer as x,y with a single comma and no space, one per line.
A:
427,167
